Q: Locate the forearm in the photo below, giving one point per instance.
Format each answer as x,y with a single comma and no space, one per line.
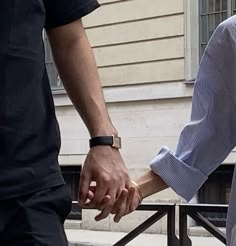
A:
150,183
78,71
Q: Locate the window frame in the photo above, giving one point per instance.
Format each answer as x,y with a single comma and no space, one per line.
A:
49,60
229,12
191,35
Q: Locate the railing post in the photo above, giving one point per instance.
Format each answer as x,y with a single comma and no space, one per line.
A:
172,240
184,239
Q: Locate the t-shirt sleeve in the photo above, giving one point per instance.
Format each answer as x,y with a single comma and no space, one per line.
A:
62,12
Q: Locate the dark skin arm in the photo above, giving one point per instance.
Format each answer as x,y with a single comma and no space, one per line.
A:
77,67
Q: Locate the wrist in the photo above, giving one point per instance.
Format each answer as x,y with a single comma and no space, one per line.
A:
113,141
139,190
103,131
150,183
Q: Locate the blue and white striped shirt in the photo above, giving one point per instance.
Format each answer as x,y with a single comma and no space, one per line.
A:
206,141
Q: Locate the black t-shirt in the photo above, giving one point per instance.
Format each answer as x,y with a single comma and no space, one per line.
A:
29,133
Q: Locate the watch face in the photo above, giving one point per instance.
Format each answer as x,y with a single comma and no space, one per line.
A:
116,142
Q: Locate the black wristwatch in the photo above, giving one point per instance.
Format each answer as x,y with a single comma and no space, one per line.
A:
113,141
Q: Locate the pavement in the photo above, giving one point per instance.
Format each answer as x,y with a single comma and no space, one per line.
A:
104,238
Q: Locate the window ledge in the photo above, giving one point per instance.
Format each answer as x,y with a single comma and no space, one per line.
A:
131,93
189,82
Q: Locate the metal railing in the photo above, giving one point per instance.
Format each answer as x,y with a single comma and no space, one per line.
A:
194,211
185,210
162,210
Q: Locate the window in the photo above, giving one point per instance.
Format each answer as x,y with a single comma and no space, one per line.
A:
216,190
71,175
54,78
212,13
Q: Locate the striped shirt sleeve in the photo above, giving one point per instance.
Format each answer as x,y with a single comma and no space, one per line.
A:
209,137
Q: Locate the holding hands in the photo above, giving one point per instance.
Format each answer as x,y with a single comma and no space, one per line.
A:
114,192
105,166
126,202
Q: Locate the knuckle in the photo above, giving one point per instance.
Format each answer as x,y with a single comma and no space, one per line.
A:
115,178
106,179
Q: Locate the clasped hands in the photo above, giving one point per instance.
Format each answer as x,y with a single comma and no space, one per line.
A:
126,202
114,192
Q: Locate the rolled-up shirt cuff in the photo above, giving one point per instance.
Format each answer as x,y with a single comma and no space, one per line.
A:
183,179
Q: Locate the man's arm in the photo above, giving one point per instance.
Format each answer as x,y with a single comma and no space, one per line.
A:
76,65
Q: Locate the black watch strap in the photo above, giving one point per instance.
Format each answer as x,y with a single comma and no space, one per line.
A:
113,141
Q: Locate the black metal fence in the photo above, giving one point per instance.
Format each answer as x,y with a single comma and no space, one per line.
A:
162,210
185,210
194,211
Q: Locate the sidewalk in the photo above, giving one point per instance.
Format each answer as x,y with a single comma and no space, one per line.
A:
101,238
